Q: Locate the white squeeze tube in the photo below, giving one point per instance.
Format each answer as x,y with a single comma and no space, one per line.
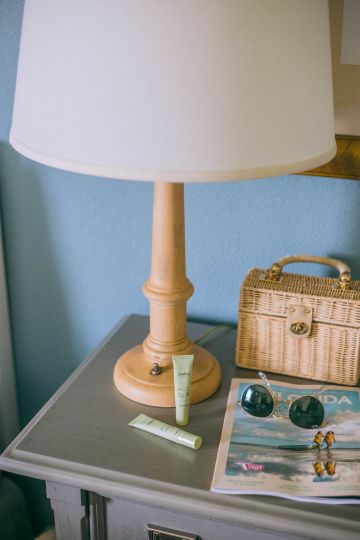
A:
172,433
182,365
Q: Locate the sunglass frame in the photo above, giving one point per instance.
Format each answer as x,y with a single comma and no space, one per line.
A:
290,402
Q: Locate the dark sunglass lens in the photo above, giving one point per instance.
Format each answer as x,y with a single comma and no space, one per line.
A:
307,412
257,401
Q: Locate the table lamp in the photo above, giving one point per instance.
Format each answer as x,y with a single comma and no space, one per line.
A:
173,92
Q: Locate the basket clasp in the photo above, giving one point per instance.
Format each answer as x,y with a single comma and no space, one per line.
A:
299,321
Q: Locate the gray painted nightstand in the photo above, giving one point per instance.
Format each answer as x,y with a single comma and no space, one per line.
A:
108,481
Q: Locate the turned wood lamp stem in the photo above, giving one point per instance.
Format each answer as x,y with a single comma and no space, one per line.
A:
167,290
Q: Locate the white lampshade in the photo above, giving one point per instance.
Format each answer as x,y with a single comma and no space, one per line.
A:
180,90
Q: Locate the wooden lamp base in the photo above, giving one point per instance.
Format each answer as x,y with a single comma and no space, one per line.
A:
144,374
133,379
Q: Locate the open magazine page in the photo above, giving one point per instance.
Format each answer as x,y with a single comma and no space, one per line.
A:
269,456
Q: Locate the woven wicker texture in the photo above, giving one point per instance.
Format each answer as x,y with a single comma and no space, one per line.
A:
331,351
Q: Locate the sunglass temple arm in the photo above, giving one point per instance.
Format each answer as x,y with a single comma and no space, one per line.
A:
265,380
321,390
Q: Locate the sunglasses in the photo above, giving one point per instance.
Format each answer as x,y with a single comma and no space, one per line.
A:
261,401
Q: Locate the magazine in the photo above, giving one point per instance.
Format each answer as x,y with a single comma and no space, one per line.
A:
271,456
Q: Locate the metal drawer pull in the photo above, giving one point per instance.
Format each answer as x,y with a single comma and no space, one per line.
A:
162,533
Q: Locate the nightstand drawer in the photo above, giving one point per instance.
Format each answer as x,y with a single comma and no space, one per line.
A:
128,520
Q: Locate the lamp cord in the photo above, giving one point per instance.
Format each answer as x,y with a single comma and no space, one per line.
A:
212,330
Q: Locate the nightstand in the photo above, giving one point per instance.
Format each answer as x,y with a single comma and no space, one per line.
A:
106,480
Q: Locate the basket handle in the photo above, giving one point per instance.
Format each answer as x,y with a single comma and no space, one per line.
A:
275,270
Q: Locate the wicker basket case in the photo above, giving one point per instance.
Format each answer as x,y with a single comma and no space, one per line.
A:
304,326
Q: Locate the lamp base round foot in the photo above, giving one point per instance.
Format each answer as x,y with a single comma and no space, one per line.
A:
133,379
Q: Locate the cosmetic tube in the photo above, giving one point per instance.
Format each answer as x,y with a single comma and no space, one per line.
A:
182,365
172,433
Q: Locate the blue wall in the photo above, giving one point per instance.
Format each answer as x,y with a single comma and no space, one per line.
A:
78,248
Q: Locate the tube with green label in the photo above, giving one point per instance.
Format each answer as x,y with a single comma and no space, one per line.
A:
182,365
166,431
